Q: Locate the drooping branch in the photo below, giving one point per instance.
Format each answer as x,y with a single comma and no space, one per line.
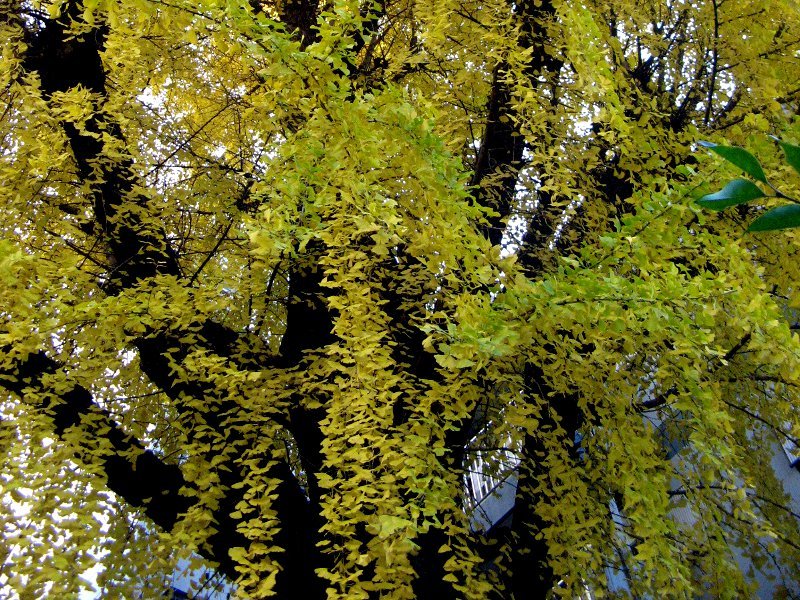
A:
143,480
139,247
140,250
132,471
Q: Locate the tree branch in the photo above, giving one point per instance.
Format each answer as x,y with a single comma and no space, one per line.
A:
133,472
141,251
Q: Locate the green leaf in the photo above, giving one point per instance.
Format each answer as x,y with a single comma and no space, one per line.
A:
736,192
739,157
781,217
792,153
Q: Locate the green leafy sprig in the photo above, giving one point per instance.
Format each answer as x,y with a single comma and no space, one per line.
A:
740,191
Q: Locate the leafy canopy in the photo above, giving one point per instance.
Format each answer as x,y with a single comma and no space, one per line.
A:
275,275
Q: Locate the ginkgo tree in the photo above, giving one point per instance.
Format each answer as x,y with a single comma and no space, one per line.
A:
274,272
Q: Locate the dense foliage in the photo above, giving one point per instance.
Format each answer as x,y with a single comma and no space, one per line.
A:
274,272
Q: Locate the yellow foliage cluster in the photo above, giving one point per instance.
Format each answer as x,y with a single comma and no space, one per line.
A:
272,273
